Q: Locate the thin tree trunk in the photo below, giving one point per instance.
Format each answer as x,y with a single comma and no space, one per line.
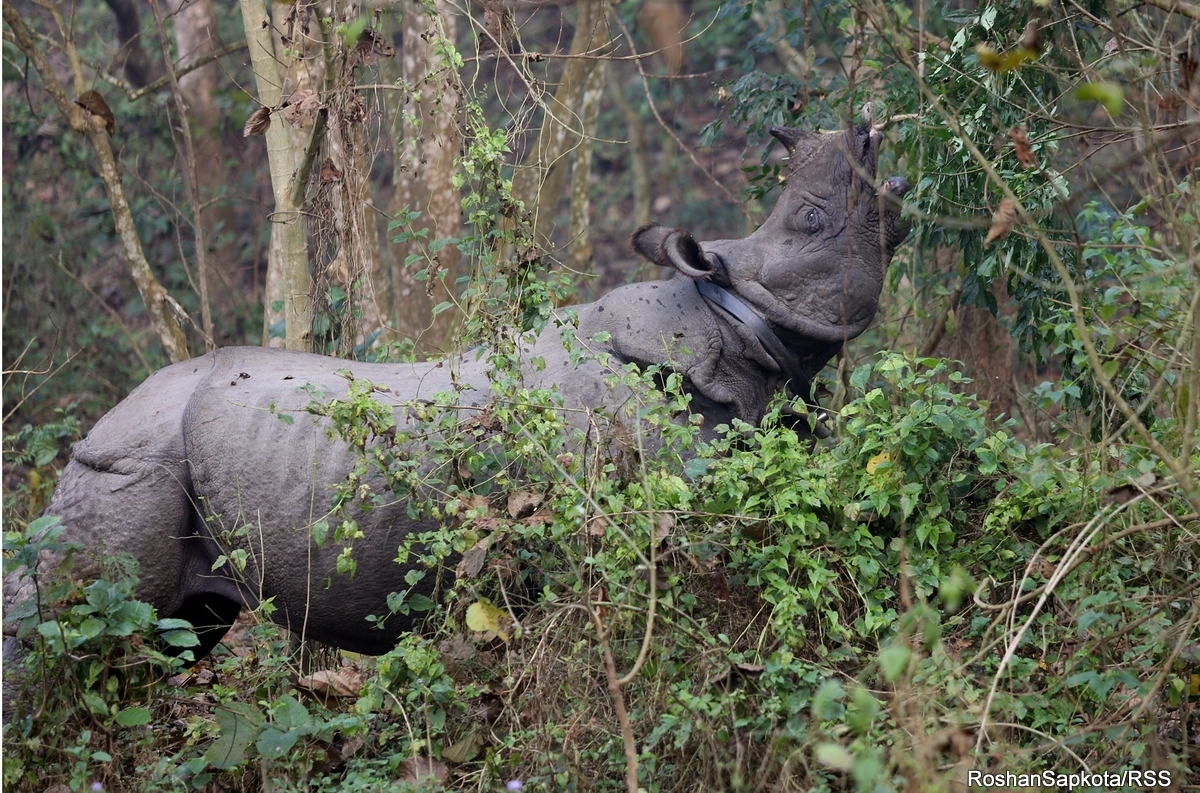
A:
639,159
540,180
159,304
579,250
425,141
295,281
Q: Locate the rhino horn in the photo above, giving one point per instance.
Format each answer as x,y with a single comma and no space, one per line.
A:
788,136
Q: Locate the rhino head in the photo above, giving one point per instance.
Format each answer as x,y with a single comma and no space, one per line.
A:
814,270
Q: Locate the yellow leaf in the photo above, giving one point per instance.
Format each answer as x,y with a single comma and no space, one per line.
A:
876,461
483,617
1111,95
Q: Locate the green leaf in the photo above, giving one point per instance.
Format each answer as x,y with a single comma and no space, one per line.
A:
893,661
290,714
184,637
133,717
273,744
320,532
832,755
1109,94
239,723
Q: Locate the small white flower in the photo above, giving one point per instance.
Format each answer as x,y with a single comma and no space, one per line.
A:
515,784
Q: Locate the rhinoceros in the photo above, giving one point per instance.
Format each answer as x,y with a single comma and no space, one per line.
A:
199,447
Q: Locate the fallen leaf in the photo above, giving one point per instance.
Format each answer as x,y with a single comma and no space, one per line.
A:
458,648
522,503
666,522
344,682
1024,148
597,526
473,559
258,123
718,583
1002,221
483,617
540,518
417,768
93,103
464,749
1111,46
751,669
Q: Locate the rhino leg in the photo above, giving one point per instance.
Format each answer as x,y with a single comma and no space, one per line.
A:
127,490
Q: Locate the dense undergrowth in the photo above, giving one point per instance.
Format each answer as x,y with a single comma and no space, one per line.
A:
921,595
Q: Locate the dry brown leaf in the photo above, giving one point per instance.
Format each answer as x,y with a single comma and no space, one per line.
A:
498,22
1002,221
258,123
1187,70
329,171
302,103
597,526
465,749
522,503
417,768
473,559
666,522
93,103
540,518
718,584
458,647
1032,38
344,682
1111,46
1024,148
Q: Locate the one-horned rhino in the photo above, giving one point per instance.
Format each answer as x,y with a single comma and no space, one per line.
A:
199,445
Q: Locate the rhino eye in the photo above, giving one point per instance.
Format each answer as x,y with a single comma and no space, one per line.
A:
812,220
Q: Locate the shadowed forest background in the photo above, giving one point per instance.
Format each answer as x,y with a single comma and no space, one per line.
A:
992,564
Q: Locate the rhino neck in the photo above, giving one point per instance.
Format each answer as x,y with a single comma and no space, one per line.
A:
795,371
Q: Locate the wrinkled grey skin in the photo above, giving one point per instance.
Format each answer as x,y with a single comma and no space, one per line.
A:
195,452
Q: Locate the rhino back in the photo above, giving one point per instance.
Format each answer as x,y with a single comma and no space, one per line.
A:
263,483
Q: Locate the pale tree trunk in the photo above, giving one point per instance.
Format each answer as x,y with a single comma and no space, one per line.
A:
159,305
425,140
540,180
295,77
579,250
356,231
639,158
286,182
195,37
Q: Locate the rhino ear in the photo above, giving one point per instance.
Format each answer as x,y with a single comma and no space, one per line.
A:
648,242
668,247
